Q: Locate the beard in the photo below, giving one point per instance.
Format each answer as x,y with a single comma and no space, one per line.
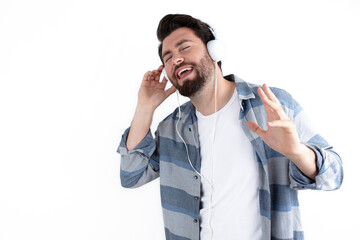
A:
203,74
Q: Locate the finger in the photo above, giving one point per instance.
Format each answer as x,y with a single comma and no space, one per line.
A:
279,123
264,98
269,93
146,76
256,128
269,104
164,81
153,76
262,95
158,71
160,68
157,75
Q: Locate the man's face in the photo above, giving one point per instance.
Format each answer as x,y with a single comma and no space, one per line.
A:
186,61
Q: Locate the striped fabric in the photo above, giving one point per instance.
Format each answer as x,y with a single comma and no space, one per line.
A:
165,156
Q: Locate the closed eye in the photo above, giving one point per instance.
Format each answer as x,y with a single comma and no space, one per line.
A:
168,58
184,48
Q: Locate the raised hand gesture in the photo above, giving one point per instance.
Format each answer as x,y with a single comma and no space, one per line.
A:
281,134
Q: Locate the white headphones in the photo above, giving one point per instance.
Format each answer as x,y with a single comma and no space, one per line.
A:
215,48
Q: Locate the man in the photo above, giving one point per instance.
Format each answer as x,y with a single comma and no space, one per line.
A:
231,159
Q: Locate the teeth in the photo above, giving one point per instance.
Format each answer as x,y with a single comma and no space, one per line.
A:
183,70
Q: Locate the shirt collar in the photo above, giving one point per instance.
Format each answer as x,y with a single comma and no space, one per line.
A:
188,113
245,91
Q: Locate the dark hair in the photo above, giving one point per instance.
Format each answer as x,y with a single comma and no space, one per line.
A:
171,22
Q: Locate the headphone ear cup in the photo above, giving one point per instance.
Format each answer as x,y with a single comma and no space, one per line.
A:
216,50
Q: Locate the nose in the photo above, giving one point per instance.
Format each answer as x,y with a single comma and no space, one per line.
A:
178,59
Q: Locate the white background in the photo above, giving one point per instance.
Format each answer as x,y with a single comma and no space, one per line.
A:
70,72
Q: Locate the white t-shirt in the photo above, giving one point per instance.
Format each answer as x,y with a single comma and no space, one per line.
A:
230,165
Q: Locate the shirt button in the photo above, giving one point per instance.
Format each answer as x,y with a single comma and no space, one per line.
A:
195,221
196,198
196,177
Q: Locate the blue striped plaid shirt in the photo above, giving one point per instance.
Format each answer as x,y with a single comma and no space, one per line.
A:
165,156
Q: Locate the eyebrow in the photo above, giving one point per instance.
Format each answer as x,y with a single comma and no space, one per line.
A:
179,43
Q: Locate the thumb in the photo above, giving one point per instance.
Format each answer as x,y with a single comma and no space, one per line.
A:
170,91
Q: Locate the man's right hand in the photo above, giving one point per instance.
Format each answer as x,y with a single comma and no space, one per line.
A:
151,94
152,91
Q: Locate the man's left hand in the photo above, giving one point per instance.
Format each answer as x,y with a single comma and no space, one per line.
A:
282,136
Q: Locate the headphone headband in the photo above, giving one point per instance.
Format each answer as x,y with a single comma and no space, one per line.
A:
212,32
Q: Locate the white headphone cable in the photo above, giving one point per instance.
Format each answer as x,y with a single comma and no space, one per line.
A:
186,148
212,155
212,149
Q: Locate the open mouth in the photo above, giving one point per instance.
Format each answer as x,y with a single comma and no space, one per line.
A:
183,72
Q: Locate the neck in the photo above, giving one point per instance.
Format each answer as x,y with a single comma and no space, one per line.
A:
204,101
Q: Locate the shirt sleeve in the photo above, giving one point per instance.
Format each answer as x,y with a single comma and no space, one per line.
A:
328,162
139,165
